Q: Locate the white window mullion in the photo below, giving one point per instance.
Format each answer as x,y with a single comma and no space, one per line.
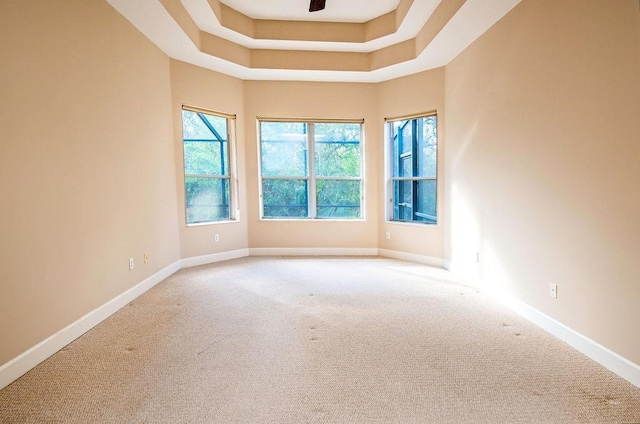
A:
234,186
362,172
312,171
391,160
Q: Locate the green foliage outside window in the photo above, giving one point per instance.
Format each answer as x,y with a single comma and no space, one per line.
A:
338,198
285,198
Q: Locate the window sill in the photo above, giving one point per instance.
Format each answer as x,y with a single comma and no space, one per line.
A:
206,224
413,224
311,220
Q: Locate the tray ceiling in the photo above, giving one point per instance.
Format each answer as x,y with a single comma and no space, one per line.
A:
280,40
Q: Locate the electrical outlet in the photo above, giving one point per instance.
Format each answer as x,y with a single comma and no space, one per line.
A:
387,235
553,290
478,257
131,263
216,238
146,258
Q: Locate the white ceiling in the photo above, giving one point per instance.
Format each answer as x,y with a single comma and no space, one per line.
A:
472,20
335,10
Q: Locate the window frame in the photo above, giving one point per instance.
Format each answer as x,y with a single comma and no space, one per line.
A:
391,162
311,178
234,210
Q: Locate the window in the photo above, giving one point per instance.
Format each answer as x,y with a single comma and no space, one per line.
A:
207,165
311,169
413,150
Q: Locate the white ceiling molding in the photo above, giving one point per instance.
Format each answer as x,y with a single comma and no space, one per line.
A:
472,20
417,16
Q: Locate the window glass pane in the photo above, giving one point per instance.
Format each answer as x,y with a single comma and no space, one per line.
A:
193,127
426,201
337,151
337,131
402,148
200,126
275,131
207,199
415,200
406,133
406,166
427,147
403,200
283,149
205,158
338,198
284,198
337,160
395,153
218,125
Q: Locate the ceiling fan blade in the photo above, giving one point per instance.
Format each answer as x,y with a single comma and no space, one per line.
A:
316,5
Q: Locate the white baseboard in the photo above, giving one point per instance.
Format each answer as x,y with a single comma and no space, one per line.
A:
214,257
602,355
313,251
24,362
412,257
18,366
609,359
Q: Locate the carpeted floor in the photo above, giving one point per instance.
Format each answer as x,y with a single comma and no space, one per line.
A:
318,340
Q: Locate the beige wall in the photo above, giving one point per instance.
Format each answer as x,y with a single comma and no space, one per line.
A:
541,123
313,100
417,93
542,163
198,87
86,164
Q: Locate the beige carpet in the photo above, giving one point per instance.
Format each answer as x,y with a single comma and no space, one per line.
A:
318,340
